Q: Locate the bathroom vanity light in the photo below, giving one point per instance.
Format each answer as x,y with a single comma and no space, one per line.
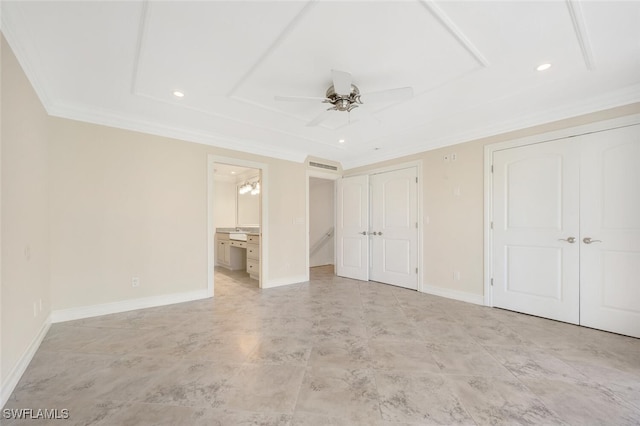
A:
253,188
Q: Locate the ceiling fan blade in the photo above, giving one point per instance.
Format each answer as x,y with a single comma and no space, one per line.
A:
365,114
298,98
320,118
390,95
341,82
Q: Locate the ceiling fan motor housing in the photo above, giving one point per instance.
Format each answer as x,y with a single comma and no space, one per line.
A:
344,102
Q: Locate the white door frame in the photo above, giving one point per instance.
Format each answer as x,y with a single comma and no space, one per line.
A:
418,165
264,216
321,175
488,178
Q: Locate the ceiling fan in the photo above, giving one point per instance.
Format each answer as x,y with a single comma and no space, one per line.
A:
343,95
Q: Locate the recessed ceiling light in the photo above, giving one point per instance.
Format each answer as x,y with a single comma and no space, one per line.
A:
543,67
178,94
233,173
341,141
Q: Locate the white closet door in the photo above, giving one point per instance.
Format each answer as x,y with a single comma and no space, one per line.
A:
394,233
352,224
535,235
610,216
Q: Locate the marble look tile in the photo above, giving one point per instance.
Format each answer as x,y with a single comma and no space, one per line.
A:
140,414
393,328
119,341
332,328
341,393
533,362
93,412
586,358
175,343
266,388
308,419
231,348
125,379
281,350
402,355
583,402
490,334
466,358
340,353
444,331
194,384
501,401
419,397
66,338
216,417
239,358
55,376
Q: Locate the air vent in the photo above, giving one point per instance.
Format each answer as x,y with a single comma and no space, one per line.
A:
322,166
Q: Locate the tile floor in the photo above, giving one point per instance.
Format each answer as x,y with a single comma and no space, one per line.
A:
331,351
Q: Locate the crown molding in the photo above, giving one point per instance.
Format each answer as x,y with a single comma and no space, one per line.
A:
211,139
626,96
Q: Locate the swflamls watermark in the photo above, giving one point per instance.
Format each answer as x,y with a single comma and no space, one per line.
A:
35,414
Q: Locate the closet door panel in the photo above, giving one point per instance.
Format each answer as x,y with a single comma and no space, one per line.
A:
535,214
610,230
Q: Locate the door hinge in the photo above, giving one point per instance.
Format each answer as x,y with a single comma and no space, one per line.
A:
492,281
491,225
416,225
416,179
416,270
492,168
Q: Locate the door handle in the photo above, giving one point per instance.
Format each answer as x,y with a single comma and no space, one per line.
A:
363,232
588,240
570,240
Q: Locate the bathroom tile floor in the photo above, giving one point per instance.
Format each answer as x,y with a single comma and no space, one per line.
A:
331,351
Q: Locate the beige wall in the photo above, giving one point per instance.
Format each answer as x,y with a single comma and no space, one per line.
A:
25,214
127,204
224,204
453,236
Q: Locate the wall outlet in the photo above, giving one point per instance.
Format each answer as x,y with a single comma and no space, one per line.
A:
135,281
454,157
456,275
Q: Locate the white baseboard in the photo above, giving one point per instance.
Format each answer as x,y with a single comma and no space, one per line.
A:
70,314
278,282
463,296
18,370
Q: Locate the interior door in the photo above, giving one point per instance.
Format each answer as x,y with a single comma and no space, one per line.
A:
535,230
394,232
352,224
610,231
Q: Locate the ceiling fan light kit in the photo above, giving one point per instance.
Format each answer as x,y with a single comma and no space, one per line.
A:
343,102
343,95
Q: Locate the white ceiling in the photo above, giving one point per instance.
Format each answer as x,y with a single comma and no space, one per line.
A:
471,64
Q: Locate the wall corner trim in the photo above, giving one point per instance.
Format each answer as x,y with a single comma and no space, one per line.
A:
81,312
463,296
18,370
279,282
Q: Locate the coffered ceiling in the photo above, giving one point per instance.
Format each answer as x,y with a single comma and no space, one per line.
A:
472,66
